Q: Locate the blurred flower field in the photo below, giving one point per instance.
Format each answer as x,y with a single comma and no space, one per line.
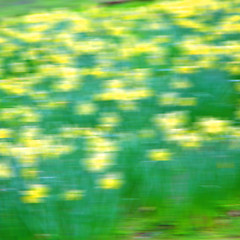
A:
108,111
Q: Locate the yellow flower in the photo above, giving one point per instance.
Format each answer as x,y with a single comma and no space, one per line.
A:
100,144
110,181
30,36
124,95
159,155
37,17
170,120
61,58
98,72
73,195
5,171
185,138
98,162
191,24
145,48
86,108
35,194
214,126
69,73
114,84
5,133
186,69
66,85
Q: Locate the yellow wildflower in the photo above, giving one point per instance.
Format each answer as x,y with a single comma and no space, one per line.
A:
99,162
61,58
186,69
98,72
110,181
66,85
185,138
214,126
99,144
170,120
35,194
159,155
86,108
73,195
114,84
5,133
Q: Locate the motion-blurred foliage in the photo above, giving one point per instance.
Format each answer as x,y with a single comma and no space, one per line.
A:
109,110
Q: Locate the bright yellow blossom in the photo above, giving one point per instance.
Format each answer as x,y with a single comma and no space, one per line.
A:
171,120
185,138
98,162
110,181
214,126
159,155
35,194
5,133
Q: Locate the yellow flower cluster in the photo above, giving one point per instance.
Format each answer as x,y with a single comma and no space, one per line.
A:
84,81
110,181
159,155
35,194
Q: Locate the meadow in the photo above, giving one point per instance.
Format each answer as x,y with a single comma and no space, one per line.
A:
121,119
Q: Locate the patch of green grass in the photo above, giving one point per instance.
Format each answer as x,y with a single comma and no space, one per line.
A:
222,227
20,7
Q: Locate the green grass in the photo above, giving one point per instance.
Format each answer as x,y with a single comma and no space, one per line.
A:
13,8
17,8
